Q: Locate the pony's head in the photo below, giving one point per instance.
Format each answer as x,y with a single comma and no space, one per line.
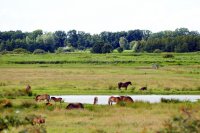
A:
129,82
36,98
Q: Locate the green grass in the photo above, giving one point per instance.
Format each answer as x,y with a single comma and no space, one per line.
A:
86,73
136,117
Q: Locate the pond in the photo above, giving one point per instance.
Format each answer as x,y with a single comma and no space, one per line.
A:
103,99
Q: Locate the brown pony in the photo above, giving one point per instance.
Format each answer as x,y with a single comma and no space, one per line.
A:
28,88
42,97
126,99
59,99
48,104
125,85
75,106
38,120
143,88
113,99
95,100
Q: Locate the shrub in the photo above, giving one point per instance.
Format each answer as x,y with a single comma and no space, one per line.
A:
5,52
157,51
111,87
186,122
164,100
28,104
9,121
39,51
168,56
59,50
20,51
50,108
2,84
120,49
34,129
5,103
121,103
107,48
167,88
68,49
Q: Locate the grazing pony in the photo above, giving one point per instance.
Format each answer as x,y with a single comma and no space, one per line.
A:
95,100
125,85
38,120
42,97
75,106
28,88
126,99
113,99
59,99
143,88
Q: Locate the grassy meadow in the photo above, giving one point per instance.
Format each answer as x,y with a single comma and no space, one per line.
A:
139,117
86,73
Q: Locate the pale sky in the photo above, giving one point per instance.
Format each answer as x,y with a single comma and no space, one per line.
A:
95,16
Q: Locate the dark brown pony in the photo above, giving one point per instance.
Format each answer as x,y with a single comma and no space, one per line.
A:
126,99
75,106
125,85
42,97
95,100
113,99
143,88
59,99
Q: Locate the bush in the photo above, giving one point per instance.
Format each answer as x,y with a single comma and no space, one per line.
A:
5,103
101,48
34,129
39,51
5,52
121,103
9,121
157,51
107,48
68,49
111,87
168,56
20,51
187,122
27,104
120,50
164,100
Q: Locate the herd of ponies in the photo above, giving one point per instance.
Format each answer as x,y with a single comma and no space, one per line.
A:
111,100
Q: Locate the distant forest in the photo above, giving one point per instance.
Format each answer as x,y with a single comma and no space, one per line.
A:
180,40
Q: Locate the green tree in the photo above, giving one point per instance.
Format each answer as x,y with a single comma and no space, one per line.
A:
59,37
97,48
107,48
123,42
72,38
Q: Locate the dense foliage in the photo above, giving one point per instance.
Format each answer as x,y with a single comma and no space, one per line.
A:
180,40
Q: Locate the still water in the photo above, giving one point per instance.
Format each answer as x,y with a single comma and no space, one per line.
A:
103,99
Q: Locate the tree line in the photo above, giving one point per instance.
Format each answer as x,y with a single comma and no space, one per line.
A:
180,40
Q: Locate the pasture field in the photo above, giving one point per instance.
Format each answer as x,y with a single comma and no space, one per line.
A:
138,117
86,73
